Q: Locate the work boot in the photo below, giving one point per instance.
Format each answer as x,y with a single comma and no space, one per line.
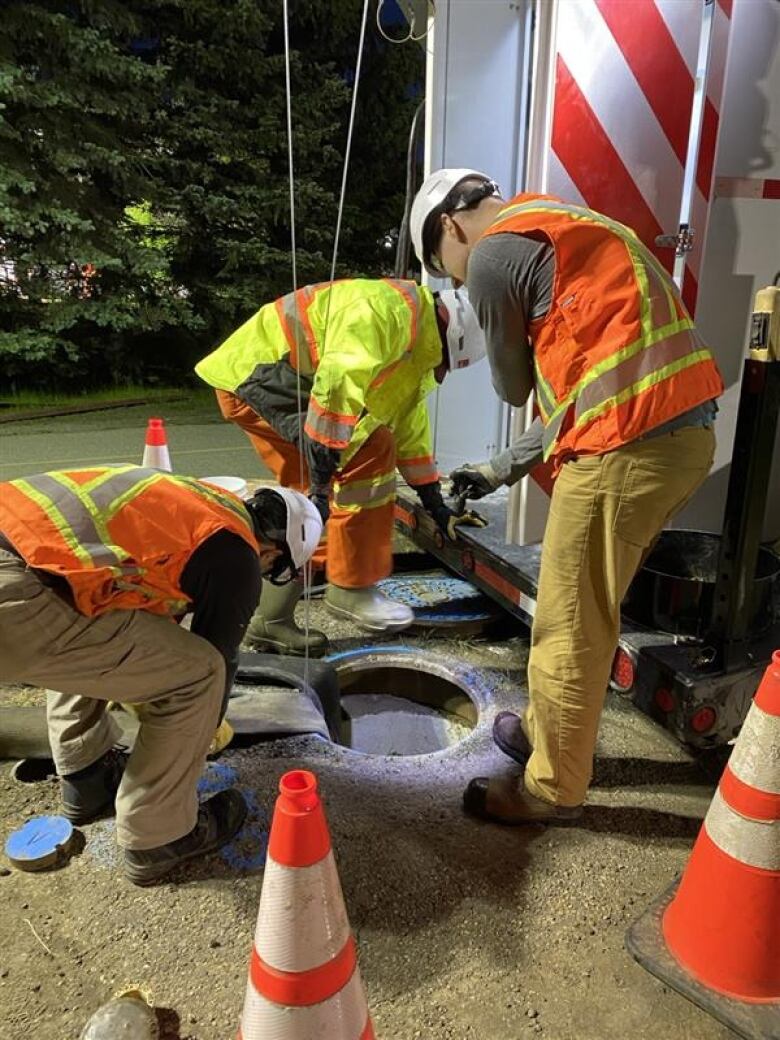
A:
509,736
86,793
273,626
506,800
219,819
369,608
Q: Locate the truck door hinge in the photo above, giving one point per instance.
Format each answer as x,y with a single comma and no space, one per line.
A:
681,243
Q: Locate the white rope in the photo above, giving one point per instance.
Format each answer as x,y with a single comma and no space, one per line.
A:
351,127
410,36
358,66
345,172
307,567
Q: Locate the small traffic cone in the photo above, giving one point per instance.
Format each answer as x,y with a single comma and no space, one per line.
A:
156,455
717,938
304,982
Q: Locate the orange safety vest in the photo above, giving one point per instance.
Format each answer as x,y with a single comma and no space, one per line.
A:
617,354
119,535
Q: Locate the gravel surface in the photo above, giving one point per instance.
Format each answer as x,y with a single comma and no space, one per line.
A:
466,931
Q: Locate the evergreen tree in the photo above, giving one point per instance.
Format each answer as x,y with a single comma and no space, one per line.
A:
145,143
79,277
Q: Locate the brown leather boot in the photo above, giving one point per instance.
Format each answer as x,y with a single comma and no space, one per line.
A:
509,736
506,800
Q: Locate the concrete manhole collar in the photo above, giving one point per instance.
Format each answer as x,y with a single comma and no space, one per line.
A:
403,701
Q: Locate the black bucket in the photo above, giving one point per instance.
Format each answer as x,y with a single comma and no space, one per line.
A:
674,590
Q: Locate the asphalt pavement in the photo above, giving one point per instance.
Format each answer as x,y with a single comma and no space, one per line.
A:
200,442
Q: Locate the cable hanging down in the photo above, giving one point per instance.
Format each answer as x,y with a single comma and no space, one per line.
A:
411,36
307,569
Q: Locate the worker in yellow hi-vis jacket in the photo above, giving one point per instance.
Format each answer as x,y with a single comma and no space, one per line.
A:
330,384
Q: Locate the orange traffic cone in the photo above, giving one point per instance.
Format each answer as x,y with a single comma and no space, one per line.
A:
717,939
304,982
156,455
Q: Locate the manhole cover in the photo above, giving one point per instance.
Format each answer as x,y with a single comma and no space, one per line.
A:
441,601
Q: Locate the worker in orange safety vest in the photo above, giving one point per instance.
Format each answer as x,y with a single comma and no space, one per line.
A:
576,309
95,567
330,385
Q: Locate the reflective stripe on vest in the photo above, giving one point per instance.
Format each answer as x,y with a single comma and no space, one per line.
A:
545,397
422,470
411,296
81,512
667,344
292,311
408,290
330,428
365,494
82,529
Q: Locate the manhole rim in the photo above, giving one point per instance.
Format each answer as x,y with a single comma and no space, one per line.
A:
465,678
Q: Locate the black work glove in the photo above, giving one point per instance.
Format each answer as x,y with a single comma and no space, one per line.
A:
321,503
474,480
322,464
445,519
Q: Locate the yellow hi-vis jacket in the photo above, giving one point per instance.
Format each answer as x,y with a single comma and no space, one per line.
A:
365,351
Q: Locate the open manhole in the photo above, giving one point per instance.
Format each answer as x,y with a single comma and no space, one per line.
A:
404,702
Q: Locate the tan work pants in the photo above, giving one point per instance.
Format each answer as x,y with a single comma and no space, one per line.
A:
128,656
606,512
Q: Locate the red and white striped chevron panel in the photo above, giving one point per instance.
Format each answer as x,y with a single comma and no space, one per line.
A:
625,77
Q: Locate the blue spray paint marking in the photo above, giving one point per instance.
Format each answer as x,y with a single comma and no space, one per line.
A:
101,843
216,777
248,850
363,650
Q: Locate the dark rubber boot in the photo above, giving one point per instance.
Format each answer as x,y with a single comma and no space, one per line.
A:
87,793
219,819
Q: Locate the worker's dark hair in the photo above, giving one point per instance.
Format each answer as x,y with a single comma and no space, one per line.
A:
269,516
467,194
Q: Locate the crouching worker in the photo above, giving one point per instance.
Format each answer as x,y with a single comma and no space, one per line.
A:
359,357
96,565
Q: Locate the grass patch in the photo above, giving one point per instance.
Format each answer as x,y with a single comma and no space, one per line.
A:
27,399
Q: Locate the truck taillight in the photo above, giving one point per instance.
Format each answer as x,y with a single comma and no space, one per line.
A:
623,671
703,719
664,699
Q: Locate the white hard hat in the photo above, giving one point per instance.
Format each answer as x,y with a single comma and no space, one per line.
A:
465,338
304,525
432,193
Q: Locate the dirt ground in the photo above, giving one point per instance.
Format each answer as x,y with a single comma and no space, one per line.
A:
466,931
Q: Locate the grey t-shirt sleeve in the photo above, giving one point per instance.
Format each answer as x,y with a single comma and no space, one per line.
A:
510,280
521,457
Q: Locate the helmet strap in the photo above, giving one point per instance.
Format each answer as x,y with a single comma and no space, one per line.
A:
442,320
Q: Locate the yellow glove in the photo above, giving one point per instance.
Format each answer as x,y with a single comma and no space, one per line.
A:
449,522
220,741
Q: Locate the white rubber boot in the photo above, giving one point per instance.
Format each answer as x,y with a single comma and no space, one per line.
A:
369,608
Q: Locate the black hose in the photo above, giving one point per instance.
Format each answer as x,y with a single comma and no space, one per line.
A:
403,247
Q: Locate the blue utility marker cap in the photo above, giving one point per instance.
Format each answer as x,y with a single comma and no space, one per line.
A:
40,843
